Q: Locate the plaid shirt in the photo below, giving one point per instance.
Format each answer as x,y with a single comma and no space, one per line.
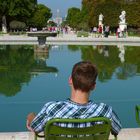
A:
69,109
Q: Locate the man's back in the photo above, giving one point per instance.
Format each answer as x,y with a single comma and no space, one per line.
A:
70,109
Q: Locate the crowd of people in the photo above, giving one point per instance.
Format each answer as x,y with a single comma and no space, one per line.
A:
100,31
120,33
52,29
104,31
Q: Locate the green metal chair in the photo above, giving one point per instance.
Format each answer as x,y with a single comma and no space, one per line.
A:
99,131
137,109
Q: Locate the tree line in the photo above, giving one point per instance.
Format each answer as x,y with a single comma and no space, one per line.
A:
21,14
88,15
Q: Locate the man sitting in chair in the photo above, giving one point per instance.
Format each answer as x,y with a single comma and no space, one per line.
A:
82,81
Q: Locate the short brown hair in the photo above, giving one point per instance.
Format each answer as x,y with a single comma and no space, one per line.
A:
84,76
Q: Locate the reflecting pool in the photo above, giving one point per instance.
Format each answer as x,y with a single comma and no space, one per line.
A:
30,78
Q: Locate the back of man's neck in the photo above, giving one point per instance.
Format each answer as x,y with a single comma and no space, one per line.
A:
79,97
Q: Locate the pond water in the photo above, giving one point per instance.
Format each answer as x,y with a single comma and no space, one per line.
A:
29,79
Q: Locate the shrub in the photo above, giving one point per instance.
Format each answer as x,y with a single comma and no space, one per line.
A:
82,34
17,25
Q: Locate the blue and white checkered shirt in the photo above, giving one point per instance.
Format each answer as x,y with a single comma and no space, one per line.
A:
70,109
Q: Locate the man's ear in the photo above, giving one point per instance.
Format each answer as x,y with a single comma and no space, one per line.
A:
70,80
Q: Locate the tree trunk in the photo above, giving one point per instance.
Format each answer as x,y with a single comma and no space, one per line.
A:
4,25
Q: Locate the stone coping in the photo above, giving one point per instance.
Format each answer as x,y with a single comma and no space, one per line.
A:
125,134
69,39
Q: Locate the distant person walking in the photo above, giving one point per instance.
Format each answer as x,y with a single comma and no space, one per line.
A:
95,31
118,33
106,34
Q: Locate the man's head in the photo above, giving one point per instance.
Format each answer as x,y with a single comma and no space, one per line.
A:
84,76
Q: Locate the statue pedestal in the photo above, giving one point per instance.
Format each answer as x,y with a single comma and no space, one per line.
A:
123,26
4,29
102,25
100,22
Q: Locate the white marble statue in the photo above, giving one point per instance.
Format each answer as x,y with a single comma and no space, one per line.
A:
101,17
101,21
4,25
122,17
122,23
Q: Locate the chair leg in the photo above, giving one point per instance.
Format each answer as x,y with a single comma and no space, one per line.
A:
35,137
137,109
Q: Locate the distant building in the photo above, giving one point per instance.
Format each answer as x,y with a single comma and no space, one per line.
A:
58,19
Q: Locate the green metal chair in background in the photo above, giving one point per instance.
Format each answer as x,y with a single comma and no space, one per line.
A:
137,109
99,131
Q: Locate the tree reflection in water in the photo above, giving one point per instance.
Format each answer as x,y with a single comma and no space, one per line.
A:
107,60
126,70
17,65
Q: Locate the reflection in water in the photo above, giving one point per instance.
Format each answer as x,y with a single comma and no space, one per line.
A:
41,54
106,51
105,57
55,47
103,50
100,49
107,60
18,64
41,49
122,52
126,71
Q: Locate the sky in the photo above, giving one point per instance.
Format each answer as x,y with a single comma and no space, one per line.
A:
62,5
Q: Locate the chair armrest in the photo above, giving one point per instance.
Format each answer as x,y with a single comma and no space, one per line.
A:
38,135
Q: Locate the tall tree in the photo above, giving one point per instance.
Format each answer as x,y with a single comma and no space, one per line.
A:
40,16
132,14
73,17
4,5
15,8
111,10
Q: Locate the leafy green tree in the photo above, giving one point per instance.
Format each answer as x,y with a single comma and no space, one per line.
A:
21,9
111,9
133,14
88,8
84,18
64,23
73,17
40,17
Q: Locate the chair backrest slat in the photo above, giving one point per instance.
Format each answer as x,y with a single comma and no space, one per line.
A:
87,130
98,131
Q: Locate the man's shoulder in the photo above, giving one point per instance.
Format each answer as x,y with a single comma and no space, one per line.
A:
105,105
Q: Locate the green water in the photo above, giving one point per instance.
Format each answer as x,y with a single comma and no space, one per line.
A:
28,80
